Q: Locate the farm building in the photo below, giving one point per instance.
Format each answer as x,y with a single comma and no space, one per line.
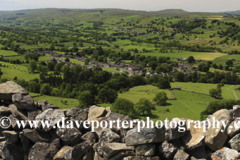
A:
176,87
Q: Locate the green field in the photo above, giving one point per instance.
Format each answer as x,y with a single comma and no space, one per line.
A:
21,71
187,105
7,53
57,101
21,74
222,60
148,91
204,88
196,55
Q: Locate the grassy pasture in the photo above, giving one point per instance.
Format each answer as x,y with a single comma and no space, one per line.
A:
222,60
7,53
147,91
20,72
21,58
57,101
197,55
187,105
205,87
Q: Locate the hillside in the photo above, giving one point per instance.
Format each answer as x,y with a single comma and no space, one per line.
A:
102,13
234,12
85,57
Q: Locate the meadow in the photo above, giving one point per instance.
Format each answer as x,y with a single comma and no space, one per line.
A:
57,101
222,60
197,55
187,105
5,53
205,87
147,91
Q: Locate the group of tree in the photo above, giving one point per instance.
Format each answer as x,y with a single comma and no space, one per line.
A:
218,105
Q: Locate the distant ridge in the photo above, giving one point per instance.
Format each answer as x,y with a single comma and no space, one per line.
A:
234,12
165,12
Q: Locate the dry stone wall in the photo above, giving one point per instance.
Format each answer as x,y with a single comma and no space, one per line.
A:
79,143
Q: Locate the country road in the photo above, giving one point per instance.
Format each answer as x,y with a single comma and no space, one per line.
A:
233,91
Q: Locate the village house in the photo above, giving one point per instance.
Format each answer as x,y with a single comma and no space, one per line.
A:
105,65
180,69
183,59
52,59
180,65
174,70
148,73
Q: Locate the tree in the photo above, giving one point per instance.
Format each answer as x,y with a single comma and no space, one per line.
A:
33,66
152,64
51,65
215,93
81,44
229,63
67,60
203,67
209,63
58,67
137,80
42,69
33,87
85,99
123,106
46,89
55,92
143,105
163,83
86,62
52,47
226,68
218,105
220,67
179,77
215,66
107,94
190,59
113,56
160,98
